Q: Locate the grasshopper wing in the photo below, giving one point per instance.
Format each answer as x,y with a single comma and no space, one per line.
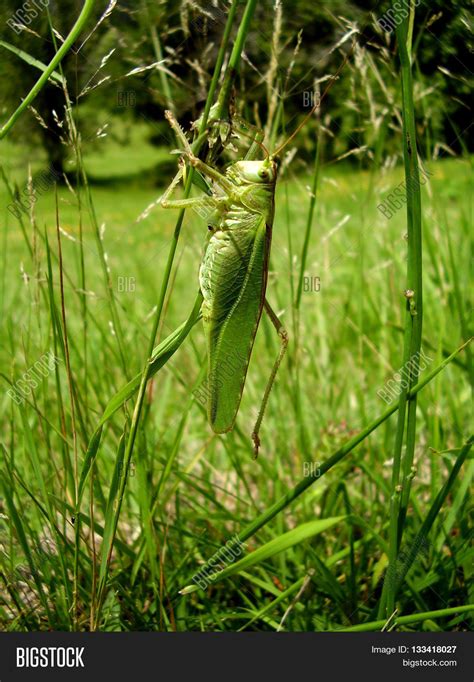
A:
233,282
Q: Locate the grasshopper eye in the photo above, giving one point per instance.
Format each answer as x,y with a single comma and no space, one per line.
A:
263,174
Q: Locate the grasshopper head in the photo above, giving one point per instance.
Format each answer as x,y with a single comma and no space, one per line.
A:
254,172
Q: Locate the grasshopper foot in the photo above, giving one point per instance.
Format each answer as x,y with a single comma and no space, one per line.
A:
256,444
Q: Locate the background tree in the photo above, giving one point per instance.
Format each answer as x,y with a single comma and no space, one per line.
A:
161,55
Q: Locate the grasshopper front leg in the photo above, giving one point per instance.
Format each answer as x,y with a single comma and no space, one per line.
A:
206,203
207,206
212,173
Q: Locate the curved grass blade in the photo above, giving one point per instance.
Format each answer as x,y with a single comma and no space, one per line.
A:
160,357
268,550
58,57
431,517
162,353
55,75
409,620
109,515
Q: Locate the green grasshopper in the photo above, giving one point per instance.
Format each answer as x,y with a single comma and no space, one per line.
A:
233,277
234,271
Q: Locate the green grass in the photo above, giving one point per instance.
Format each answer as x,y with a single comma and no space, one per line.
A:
132,515
189,491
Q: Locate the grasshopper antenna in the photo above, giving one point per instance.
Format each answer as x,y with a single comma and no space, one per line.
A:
318,104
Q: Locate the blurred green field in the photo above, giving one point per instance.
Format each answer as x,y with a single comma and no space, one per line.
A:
189,490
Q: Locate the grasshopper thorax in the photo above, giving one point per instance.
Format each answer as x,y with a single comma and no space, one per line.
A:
253,172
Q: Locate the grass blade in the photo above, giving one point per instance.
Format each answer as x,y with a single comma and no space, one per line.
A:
268,550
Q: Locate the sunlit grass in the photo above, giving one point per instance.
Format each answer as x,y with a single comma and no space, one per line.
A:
313,521
350,347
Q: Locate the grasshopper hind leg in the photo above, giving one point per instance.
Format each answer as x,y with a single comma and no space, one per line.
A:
283,334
